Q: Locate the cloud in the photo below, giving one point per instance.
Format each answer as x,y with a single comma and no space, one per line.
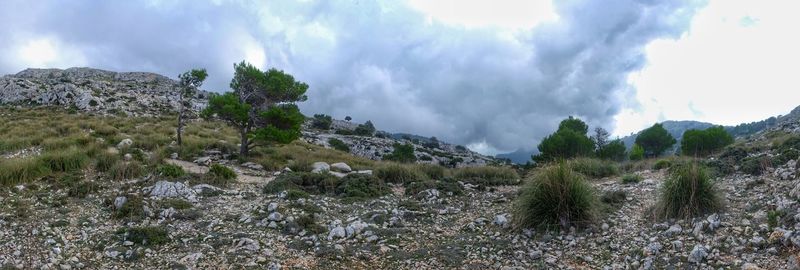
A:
494,87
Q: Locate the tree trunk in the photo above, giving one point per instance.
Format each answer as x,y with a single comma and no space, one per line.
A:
244,146
180,120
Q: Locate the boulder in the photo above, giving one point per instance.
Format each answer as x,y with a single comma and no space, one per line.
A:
166,189
125,143
341,167
320,167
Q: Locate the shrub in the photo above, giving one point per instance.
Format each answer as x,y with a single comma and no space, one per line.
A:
594,168
488,175
339,145
402,153
394,173
313,183
366,129
132,208
662,164
614,197
614,150
170,170
637,153
294,194
361,186
222,172
19,170
300,165
755,165
322,121
148,236
125,170
557,196
65,160
631,178
309,223
446,185
688,192
704,142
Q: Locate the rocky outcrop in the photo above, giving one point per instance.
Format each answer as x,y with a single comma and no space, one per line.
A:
94,90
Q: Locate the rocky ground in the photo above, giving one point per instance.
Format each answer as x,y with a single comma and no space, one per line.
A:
240,227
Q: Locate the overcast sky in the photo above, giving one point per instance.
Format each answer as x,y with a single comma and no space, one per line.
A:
495,75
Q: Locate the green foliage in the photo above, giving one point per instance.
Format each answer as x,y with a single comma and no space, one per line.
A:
361,186
432,171
339,145
594,168
219,175
557,196
309,223
487,175
568,141
170,170
631,178
637,153
402,153
148,236
688,192
662,164
19,170
105,160
313,183
614,150
366,129
574,124
655,140
394,173
65,160
755,165
228,108
133,208
704,142
322,121
773,218
284,122
177,204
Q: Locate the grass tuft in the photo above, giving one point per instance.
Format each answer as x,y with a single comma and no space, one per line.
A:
688,192
487,175
558,197
594,168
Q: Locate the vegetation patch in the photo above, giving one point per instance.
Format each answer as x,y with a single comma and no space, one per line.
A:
19,170
488,175
126,170
351,187
148,236
170,170
557,196
688,192
339,145
662,164
631,178
65,160
594,168
399,174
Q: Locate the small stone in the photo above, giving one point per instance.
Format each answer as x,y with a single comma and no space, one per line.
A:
275,216
698,254
124,143
500,220
673,230
535,254
120,201
341,167
337,232
271,207
604,227
127,243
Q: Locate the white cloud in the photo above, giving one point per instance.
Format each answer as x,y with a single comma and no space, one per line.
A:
736,64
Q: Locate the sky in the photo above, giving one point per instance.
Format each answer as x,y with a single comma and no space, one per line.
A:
494,75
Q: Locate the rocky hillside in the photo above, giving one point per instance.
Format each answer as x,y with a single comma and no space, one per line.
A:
94,90
383,144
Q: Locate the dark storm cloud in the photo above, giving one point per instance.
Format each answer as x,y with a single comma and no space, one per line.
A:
382,61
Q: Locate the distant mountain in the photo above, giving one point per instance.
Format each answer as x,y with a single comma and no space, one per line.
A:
519,157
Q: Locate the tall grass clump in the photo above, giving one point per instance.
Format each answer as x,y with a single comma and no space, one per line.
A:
432,171
65,160
688,192
399,174
631,178
594,168
557,196
218,175
125,170
19,170
105,160
170,170
487,175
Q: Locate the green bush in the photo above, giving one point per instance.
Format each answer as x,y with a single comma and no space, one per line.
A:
309,223
300,165
637,153
366,129
170,170
556,197
221,172
313,183
339,145
594,168
755,165
133,208
65,160
631,178
148,236
662,164
446,185
361,186
688,192
402,153
704,142
614,150
19,170
487,175
399,174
